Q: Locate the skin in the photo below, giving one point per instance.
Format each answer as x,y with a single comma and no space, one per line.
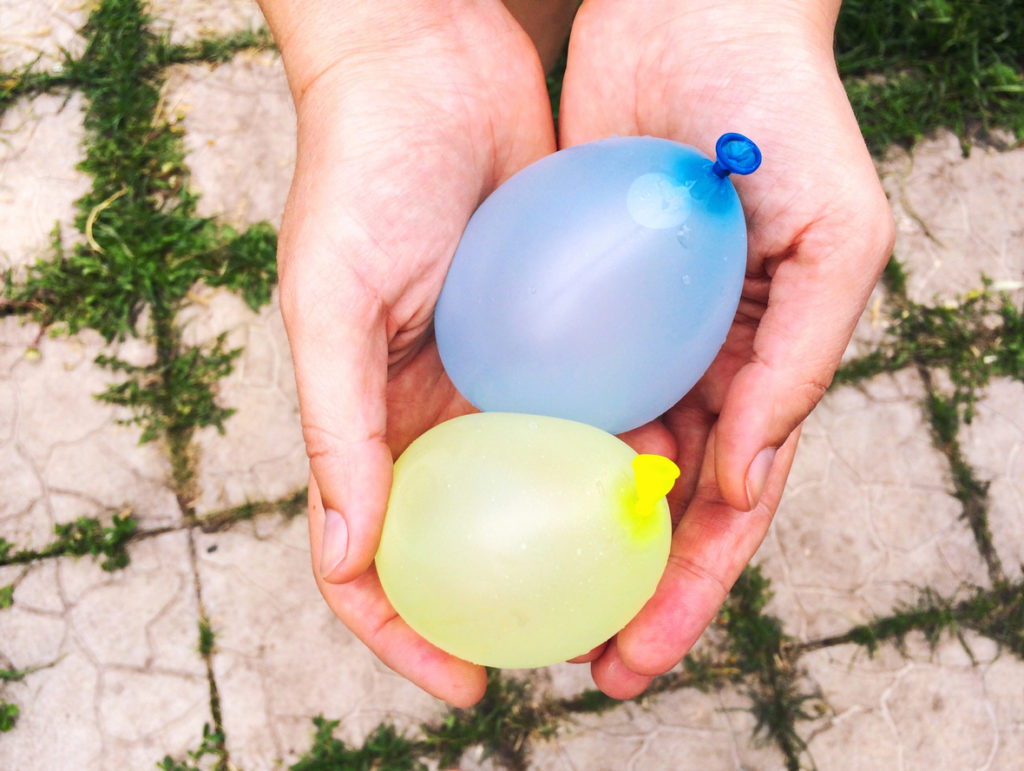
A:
410,113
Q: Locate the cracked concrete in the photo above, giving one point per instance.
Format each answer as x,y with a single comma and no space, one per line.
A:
34,34
685,729
281,655
868,518
40,144
121,683
957,218
63,454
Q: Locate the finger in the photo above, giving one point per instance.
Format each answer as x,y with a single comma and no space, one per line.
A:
614,678
690,423
817,293
710,548
590,655
363,607
651,438
336,328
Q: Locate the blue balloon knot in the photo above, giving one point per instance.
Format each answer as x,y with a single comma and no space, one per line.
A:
736,154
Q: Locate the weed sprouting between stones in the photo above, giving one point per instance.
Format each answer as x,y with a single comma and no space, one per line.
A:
384,750
288,507
8,715
996,613
10,712
86,535
970,341
209,747
764,654
207,637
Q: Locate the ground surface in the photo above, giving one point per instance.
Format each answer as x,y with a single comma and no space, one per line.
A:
156,603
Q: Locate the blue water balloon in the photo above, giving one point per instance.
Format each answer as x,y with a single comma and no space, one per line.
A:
598,283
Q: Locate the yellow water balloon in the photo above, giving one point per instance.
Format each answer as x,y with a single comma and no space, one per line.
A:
517,540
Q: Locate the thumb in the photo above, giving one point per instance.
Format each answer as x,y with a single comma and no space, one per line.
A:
336,330
817,295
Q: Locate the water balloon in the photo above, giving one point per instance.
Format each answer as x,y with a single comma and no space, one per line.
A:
598,283
516,540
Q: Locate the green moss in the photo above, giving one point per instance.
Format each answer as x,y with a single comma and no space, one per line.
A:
894,278
206,637
6,596
213,50
996,613
210,746
761,650
590,700
501,723
384,750
290,506
8,715
86,535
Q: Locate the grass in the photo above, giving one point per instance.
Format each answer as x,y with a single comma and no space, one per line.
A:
910,68
763,653
384,750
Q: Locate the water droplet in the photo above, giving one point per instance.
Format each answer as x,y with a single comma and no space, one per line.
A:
533,290
686,280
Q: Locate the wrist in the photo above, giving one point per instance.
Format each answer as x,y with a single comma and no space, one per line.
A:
315,36
808,24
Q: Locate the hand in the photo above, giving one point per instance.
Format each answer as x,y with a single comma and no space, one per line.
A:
409,114
820,232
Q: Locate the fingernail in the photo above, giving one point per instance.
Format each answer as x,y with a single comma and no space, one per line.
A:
335,542
757,474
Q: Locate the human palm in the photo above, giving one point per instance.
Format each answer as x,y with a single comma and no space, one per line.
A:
396,149
819,234
402,135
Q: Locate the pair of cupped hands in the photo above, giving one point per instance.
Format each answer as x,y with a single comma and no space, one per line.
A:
410,112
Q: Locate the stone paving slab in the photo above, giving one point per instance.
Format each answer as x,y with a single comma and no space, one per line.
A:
239,134
922,710
994,445
63,454
121,683
40,145
35,34
686,729
869,519
957,218
281,656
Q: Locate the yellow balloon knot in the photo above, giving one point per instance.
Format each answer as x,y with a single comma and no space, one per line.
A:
654,477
